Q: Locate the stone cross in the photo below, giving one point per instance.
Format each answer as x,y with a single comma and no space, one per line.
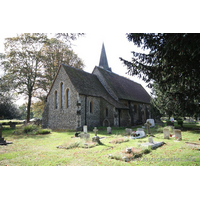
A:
95,131
148,124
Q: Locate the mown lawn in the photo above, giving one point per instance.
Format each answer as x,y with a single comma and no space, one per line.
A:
41,150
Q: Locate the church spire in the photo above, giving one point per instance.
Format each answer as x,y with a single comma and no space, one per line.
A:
103,63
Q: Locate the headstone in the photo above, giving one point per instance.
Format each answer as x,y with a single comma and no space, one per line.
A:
128,131
151,121
166,133
151,140
95,131
148,124
85,129
178,135
85,136
109,130
95,138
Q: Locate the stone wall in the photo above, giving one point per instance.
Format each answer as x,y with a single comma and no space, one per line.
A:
93,116
62,118
107,113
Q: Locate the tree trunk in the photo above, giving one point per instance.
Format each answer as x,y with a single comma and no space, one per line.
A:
29,108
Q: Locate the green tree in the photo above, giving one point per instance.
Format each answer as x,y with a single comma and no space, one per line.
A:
23,64
172,63
38,108
56,52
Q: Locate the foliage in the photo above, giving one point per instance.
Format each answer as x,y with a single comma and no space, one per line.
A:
56,52
38,108
33,129
23,64
172,63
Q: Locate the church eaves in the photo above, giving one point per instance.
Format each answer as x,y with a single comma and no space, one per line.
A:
103,63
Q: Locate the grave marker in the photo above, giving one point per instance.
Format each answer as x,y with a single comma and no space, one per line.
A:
95,138
166,133
85,129
178,135
109,130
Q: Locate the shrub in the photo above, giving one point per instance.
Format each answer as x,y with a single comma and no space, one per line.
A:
44,131
180,122
29,128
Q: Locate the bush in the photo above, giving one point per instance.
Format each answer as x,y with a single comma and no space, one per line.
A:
180,122
44,131
29,128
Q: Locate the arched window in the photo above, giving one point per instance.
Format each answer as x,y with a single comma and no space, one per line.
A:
61,95
67,98
106,112
56,100
91,106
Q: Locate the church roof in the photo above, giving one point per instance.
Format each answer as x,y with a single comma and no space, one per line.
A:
125,88
88,84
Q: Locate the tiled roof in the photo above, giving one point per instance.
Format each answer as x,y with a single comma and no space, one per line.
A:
88,84
125,88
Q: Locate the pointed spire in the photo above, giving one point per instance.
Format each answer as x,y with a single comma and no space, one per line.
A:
103,59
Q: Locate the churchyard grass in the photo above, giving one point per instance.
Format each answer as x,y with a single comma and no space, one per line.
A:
41,150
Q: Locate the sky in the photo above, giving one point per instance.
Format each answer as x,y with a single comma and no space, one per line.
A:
88,48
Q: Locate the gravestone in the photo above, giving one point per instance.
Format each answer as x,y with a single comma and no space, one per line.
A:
151,144
166,133
85,129
151,121
95,138
151,140
178,135
128,131
85,136
148,124
109,130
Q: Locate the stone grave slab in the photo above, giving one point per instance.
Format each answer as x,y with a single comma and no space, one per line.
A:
152,144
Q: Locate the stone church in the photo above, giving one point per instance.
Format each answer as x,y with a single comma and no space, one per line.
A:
103,98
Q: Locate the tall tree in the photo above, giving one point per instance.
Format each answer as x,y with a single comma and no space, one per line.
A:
23,63
172,62
56,52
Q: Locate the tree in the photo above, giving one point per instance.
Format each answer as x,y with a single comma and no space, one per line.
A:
38,108
172,63
56,52
23,64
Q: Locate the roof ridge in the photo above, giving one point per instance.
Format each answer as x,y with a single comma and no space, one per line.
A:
120,75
